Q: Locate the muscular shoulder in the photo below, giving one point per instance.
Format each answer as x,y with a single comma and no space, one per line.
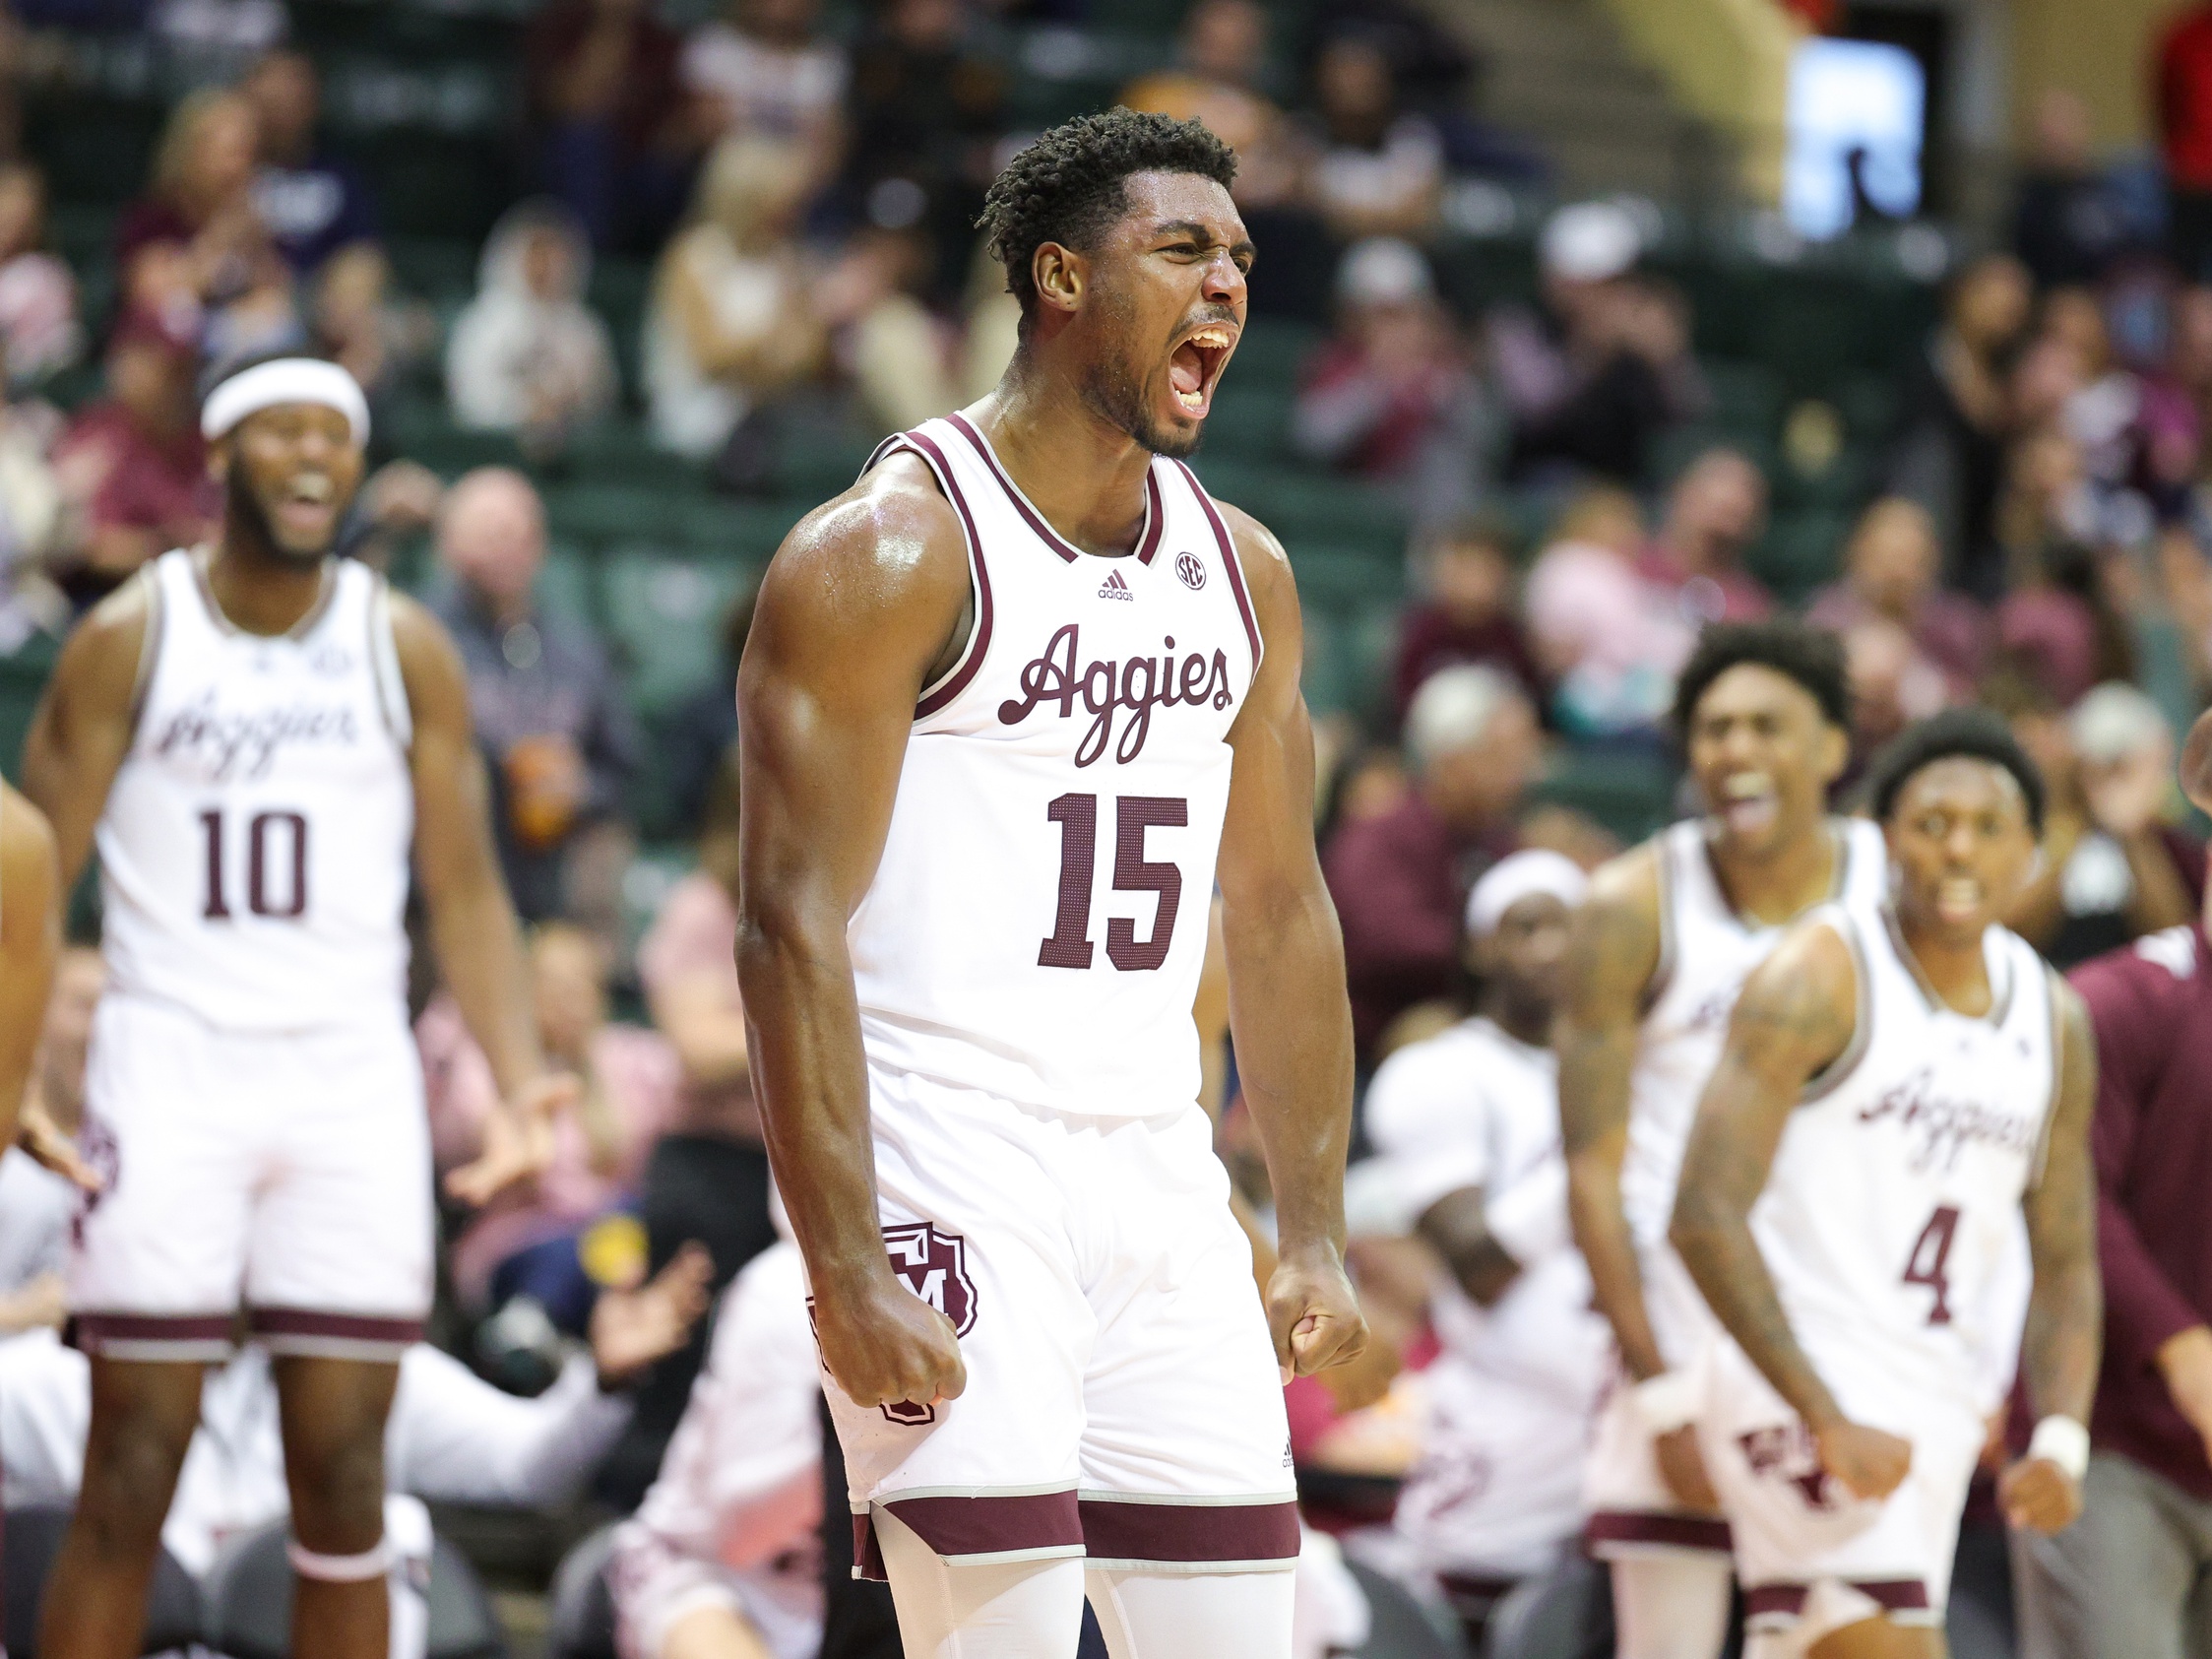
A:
1265,563
430,664
103,655
1804,997
888,543
1617,931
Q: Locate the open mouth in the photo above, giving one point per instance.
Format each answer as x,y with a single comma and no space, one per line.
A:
1195,367
307,503
1749,803
1958,899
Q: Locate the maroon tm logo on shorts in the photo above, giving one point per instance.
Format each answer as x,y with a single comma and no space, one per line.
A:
934,1266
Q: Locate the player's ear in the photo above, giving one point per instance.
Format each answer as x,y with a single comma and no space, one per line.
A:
1835,752
1060,274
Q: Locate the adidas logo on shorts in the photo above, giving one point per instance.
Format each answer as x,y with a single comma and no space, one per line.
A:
1116,588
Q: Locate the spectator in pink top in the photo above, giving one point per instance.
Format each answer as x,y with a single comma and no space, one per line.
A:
1714,513
1610,641
527,1242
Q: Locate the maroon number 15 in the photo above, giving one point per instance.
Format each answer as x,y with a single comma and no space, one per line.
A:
1069,945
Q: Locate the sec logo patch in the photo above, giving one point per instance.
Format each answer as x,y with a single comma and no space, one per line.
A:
1192,569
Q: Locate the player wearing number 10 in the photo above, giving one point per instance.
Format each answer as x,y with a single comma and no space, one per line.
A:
1901,1081
257,734
1011,708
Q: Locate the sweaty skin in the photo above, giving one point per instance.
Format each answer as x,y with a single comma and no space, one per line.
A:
1751,723
1797,1015
864,604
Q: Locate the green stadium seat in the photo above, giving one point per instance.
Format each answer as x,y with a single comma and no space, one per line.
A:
568,584
663,611
1800,553
1269,354
1630,795
22,681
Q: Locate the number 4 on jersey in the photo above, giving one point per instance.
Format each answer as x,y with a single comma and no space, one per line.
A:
1069,944
1931,1251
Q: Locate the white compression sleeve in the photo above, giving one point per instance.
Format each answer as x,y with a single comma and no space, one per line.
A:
1669,1606
1194,1615
1008,1610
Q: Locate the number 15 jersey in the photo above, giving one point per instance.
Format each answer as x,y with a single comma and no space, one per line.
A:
255,843
1037,925
1895,1192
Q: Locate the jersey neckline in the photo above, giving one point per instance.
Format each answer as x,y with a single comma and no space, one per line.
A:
223,625
1148,538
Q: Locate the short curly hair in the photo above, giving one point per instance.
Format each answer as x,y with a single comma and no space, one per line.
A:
1813,656
1069,184
1971,734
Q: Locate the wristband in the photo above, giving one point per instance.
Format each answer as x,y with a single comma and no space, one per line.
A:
2063,1441
1666,1402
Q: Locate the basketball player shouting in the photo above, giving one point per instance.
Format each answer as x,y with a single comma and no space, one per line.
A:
1005,702
255,733
1660,949
1898,1085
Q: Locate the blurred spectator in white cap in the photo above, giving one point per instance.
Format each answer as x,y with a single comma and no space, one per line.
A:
1602,365
1380,169
2115,866
1392,395
1466,1128
1400,877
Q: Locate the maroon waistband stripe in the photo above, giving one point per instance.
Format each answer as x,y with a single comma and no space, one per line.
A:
1132,1530
345,1327
90,1331
1893,1595
1674,1532
992,1524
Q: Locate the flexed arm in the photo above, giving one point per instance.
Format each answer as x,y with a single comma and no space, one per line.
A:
1796,1016
863,600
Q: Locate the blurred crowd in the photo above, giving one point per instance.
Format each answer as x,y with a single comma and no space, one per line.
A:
2035,536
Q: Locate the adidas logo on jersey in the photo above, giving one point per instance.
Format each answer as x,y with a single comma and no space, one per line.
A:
1116,588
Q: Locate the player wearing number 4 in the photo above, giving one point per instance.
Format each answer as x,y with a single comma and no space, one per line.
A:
1899,1082
256,733
1012,706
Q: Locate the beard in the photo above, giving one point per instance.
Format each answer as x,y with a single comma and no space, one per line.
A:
1116,397
244,509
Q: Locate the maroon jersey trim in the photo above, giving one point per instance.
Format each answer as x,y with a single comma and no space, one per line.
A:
956,678
1229,564
991,1524
151,1336
1148,541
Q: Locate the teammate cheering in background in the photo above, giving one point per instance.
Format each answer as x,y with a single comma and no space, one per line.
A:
1012,706
256,733
1899,1082
1660,949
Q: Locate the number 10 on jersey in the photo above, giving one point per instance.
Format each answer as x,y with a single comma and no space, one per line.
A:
276,866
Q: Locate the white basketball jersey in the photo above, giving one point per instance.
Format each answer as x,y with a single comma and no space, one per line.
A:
1894,1199
254,848
1707,950
1038,922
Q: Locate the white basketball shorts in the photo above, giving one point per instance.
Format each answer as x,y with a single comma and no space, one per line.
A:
1632,1508
1497,1490
1122,1400
1813,1557
285,1174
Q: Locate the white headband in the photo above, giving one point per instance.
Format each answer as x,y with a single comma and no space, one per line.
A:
1521,876
285,380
